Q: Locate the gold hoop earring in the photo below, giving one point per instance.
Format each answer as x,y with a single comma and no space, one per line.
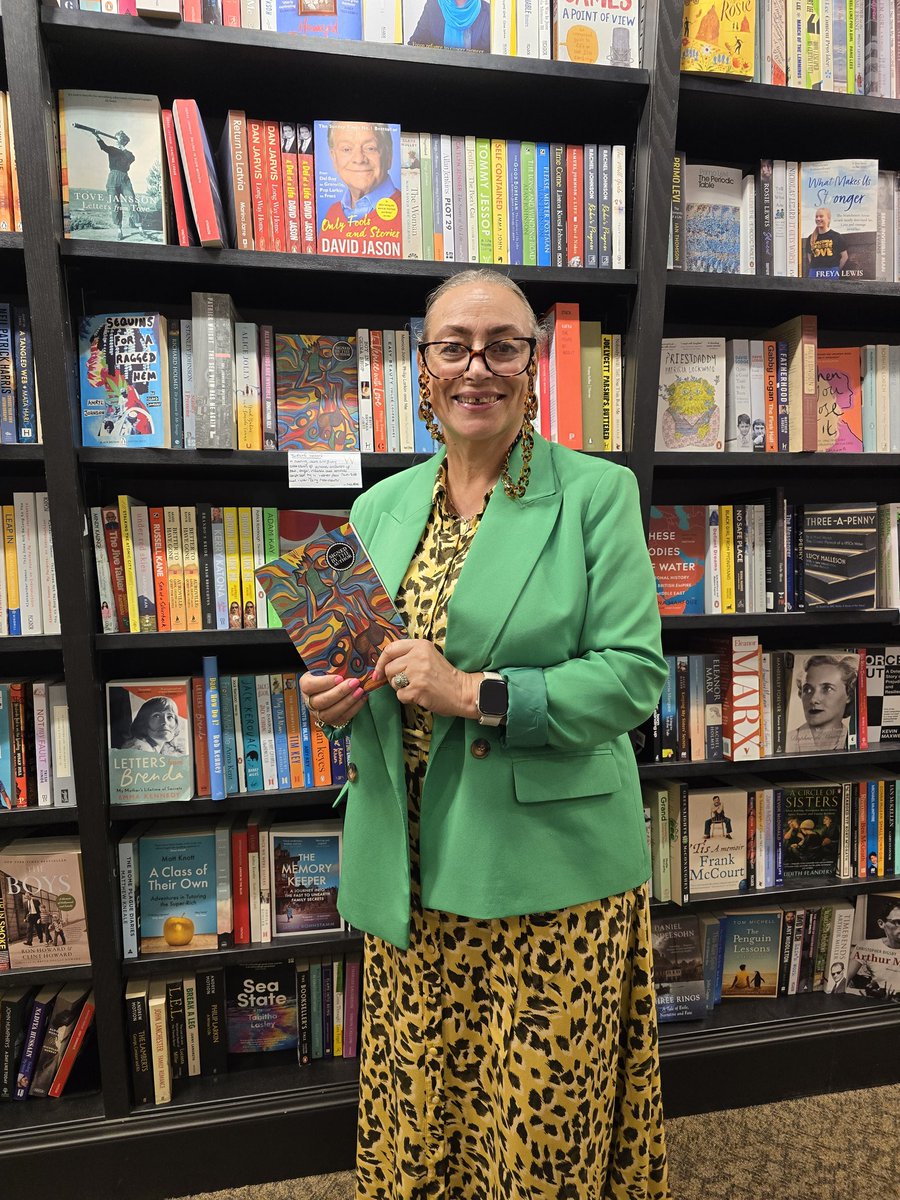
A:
426,412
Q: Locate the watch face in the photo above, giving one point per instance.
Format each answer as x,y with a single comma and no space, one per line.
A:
492,698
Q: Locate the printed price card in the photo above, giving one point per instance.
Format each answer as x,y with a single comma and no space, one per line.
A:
324,469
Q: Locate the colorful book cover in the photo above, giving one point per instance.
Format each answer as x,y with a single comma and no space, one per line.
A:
751,953
874,967
306,874
840,400
840,552
43,903
123,379
712,219
586,33
320,18
882,695
296,525
114,185
810,830
426,23
718,38
178,888
691,406
678,967
150,740
822,701
331,601
839,218
717,840
357,190
677,545
316,392
261,1007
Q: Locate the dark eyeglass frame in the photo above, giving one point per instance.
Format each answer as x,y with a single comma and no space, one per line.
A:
532,346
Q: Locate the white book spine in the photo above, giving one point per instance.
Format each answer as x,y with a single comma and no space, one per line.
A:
108,621
404,392
224,917
841,936
28,559
776,12
896,262
759,517
779,221
268,16
129,875
471,198
792,218
411,195
738,416
894,397
391,399
618,208
42,748
767,740
246,373
748,186
527,29
159,1043
265,887
250,19
61,748
259,560
447,213
49,595
364,391
266,734
188,395
503,27
143,566
192,1027
380,22
827,44
766,75
545,29
845,863
238,734
796,951
882,399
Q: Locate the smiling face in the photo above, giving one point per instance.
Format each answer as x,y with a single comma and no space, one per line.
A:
824,697
823,219
479,406
357,156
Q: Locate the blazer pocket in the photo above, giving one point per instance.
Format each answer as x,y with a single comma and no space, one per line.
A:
565,776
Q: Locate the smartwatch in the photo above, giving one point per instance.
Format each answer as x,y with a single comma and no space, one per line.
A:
493,701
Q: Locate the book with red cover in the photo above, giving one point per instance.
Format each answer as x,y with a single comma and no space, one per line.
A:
307,168
73,1047
200,173
240,882
290,178
183,222
565,373
256,141
677,545
274,194
379,415
332,603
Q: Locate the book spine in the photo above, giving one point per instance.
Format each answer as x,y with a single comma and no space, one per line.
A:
364,391
248,581
224,911
11,558
261,604
253,880
201,188
266,734
558,257
61,748
206,568
290,171
192,1040
229,742
213,704
201,736
292,729
267,387
73,1047
619,186
26,398
240,884
307,170
176,180
499,201
160,569
274,189
211,1022
677,218
25,508
34,1033
591,212
279,731
129,876
42,756
379,418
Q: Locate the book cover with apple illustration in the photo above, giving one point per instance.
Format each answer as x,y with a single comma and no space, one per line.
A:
178,889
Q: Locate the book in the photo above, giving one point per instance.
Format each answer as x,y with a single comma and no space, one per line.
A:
114,183
840,555
678,967
149,740
15,1010
123,380
839,218
810,831
200,174
751,953
712,219
330,599
718,38
261,1007
43,902
677,547
583,33
716,840
75,1045
41,1010
691,400
316,392
822,701
305,872
873,970
178,888
337,19
840,400
60,1026
883,693
424,25
358,200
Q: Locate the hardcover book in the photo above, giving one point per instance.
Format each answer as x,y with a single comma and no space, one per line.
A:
150,740
840,400
677,545
43,903
839,218
111,150
261,1007
678,967
357,189
330,599
178,888
822,701
717,840
840,547
712,219
691,407
751,950
123,376
305,873
316,392
810,832
717,38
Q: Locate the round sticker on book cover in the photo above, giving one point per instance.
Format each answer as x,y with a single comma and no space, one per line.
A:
582,45
342,351
386,208
65,902
341,556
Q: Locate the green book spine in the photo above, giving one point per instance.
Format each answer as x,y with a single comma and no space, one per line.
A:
315,1007
528,160
483,183
272,551
427,193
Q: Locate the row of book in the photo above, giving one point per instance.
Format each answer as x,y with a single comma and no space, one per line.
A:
832,219
749,834
42,903
10,208
524,28
29,603
35,746
45,1032
215,735
826,45
774,556
20,421
836,947
732,700
189,885
782,392
184,1026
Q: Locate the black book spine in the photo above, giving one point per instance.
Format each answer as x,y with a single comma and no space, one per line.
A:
890,824
678,162
304,1042
211,1022
787,950
558,203
139,1049
765,225
207,566
683,707
740,558
177,1028
327,1008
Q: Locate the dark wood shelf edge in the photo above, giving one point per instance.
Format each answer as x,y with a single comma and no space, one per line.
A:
205,806
802,460
775,762
38,643
821,103
12,241
837,289
815,616
35,975
811,891
312,943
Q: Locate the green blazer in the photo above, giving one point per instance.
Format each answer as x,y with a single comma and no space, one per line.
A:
557,593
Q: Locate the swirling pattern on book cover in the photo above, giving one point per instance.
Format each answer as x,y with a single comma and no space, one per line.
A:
316,392
333,604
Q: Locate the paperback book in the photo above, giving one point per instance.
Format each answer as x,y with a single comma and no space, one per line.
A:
883,693
425,24
358,209
751,946
261,1007
691,407
677,546
822,701
874,967
178,888
840,551
123,375
584,32
305,873
712,219
678,967
810,833
840,400
839,218
717,841
43,903
150,740
316,392
717,38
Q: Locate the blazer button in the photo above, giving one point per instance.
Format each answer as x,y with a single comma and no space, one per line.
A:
480,748
352,772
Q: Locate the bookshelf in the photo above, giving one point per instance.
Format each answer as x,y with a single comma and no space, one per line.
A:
281,1122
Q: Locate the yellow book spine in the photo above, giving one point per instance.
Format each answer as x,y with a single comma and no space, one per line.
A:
726,555
499,208
606,379
248,582
191,561
127,535
233,568
12,567
177,607
881,829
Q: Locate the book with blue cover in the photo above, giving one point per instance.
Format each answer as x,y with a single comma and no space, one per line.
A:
124,380
751,953
178,888
305,873
261,1007
253,772
321,18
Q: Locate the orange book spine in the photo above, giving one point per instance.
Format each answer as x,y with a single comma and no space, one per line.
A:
191,568
6,205
231,13
274,195
176,179
294,734
307,203
257,147
379,417
575,207
160,569
567,351
201,740
770,387
13,173
321,756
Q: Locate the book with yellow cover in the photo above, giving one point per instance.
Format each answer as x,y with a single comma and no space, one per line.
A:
191,563
233,568
126,503
248,586
726,549
499,201
717,38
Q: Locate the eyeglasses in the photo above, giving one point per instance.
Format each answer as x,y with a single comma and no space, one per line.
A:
449,360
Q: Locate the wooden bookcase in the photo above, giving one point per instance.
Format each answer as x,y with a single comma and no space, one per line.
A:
283,1122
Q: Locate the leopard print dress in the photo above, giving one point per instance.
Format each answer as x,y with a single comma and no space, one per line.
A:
511,1059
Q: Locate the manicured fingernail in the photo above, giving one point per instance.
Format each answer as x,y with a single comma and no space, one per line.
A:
338,679
359,695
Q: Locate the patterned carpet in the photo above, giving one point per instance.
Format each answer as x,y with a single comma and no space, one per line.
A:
823,1148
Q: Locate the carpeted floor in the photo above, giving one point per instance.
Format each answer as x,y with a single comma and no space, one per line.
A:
842,1147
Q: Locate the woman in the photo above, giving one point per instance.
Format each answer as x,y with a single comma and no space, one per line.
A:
156,728
494,844
454,25
827,693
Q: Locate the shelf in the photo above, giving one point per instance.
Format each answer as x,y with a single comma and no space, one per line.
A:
738,465
39,644
72,1116
841,290
244,802
802,891
12,242
716,622
295,947
200,640
249,464
774,763
15,818
42,975
32,455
